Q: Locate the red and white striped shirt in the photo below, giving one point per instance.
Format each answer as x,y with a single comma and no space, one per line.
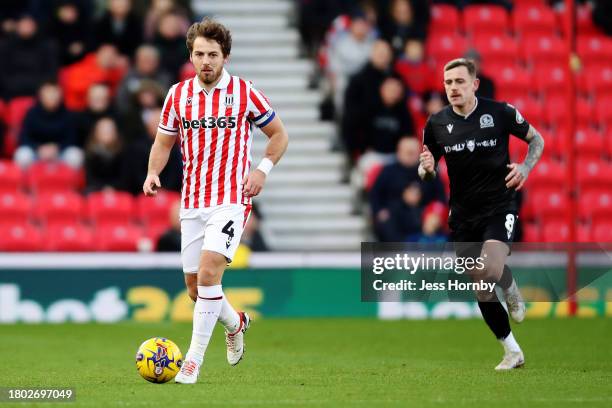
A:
215,129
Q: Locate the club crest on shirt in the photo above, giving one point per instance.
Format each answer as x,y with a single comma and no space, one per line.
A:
229,99
471,144
486,121
189,100
450,128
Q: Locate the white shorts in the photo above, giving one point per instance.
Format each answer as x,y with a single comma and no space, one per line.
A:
215,229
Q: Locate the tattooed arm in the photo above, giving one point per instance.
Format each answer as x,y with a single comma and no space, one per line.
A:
519,172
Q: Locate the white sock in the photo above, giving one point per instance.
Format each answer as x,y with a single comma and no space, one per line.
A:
205,315
228,317
510,343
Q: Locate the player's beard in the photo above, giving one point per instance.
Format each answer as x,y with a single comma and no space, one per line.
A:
210,77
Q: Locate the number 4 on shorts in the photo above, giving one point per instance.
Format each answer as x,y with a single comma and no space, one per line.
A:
229,230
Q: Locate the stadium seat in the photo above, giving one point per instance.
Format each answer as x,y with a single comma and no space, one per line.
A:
515,79
156,210
590,173
60,208
547,174
585,113
557,113
70,237
589,144
119,238
583,233
16,110
584,19
595,49
531,232
555,231
534,19
15,208
110,208
11,177
518,149
500,49
597,81
550,205
595,205
544,49
443,48
51,177
531,109
20,237
480,19
603,112
445,19
551,80
602,232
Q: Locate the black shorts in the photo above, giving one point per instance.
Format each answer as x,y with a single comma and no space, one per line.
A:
499,227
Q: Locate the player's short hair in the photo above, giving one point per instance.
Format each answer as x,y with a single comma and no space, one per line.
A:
212,30
461,62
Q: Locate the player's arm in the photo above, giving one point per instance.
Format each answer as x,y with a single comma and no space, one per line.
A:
519,172
276,147
158,158
428,159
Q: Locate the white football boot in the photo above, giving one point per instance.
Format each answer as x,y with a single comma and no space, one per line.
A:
189,373
512,359
515,302
235,341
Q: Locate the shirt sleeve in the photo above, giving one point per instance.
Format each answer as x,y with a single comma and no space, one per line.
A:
515,122
430,141
259,110
168,119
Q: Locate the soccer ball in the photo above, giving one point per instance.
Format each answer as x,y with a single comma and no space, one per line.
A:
158,360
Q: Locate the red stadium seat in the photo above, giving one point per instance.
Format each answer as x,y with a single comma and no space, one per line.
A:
515,79
21,237
584,20
590,173
15,208
479,19
547,174
501,49
597,81
603,112
156,210
119,238
443,48
589,143
531,109
518,149
11,177
531,232
595,205
534,19
110,208
445,19
602,232
583,232
60,208
551,80
555,231
69,238
584,113
16,110
51,177
594,49
556,113
544,49
550,205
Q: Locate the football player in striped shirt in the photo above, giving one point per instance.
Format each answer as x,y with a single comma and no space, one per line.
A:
213,115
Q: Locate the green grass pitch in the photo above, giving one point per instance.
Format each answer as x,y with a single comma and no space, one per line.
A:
324,362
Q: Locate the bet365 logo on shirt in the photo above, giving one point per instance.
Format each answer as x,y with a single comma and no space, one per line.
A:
210,122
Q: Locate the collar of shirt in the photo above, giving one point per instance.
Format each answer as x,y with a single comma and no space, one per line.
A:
469,113
222,84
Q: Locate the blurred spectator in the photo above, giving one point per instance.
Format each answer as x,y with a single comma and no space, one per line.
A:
170,41
146,66
99,105
159,8
314,19
170,241
28,59
407,19
9,14
462,3
602,15
48,131
146,102
413,69
389,119
432,102
432,230
119,26
70,26
103,157
403,217
136,163
361,95
486,89
251,237
394,178
103,66
348,54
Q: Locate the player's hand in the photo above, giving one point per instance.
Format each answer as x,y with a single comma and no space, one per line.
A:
151,185
517,176
427,160
253,184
